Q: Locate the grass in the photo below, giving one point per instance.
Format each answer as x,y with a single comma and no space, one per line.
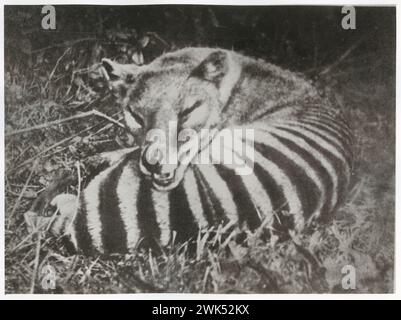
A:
361,233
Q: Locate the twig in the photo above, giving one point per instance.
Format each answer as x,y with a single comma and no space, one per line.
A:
61,142
53,217
64,44
22,242
77,164
205,277
27,196
22,153
35,269
314,263
141,284
37,229
55,67
267,275
16,205
342,57
87,273
56,122
71,269
53,146
156,36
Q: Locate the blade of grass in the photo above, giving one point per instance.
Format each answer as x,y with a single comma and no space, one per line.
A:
60,121
35,269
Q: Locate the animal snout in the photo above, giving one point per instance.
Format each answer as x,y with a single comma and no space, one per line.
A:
155,164
164,176
152,160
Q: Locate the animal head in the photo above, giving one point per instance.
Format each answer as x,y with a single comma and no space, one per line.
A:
169,103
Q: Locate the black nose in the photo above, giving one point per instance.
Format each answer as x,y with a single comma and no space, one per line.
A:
151,160
165,176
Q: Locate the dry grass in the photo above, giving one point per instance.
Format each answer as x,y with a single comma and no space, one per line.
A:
361,234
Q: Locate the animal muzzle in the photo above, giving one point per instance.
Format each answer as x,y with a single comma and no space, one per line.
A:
154,164
165,170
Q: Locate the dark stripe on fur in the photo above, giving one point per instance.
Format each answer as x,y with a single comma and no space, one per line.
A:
210,203
147,223
272,110
330,130
114,235
335,123
281,220
246,208
84,239
297,176
336,162
330,118
343,149
315,164
206,202
181,217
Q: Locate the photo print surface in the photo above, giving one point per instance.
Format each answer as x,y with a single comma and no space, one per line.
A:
199,149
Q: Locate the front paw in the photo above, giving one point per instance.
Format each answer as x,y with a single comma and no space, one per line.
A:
65,206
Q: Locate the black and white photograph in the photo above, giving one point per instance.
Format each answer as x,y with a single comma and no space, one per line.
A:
192,148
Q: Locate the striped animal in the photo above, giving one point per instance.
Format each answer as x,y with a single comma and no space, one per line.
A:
298,152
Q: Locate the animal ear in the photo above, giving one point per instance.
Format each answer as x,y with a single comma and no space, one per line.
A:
213,68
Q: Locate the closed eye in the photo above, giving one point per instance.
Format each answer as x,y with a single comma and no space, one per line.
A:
137,117
187,111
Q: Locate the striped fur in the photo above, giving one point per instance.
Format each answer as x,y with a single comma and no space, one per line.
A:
302,163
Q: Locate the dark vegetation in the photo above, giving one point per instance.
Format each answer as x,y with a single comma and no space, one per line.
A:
52,75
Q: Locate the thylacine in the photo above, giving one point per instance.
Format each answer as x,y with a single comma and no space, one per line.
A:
301,153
